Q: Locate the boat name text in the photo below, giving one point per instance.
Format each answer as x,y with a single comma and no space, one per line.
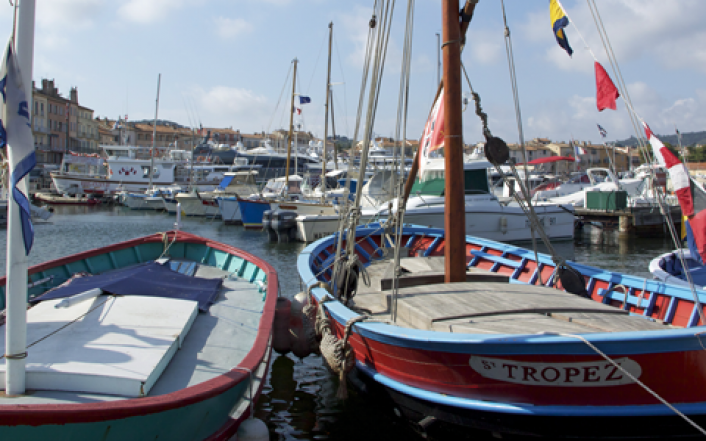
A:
580,374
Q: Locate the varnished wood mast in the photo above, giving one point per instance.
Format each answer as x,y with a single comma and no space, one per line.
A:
291,125
455,212
467,12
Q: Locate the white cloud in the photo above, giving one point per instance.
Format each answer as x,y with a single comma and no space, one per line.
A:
147,11
226,106
232,27
486,47
355,25
68,14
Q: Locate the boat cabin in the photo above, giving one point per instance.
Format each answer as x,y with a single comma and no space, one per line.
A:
433,179
278,186
239,182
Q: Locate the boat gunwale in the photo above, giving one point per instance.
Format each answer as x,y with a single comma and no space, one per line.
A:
41,414
625,343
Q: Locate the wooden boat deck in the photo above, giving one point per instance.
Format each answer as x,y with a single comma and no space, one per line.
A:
486,303
217,342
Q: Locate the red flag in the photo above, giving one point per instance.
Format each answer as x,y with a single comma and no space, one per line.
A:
606,92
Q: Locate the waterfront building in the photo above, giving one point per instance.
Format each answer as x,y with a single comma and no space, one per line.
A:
60,124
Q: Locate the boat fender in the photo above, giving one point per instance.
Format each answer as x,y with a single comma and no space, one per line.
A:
280,332
312,334
337,354
300,346
253,429
298,343
572,280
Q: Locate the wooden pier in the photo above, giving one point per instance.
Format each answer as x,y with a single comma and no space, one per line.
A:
639,221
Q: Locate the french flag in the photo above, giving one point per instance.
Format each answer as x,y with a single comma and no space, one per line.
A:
691,196
578,150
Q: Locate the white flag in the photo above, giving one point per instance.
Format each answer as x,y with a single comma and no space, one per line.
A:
16,133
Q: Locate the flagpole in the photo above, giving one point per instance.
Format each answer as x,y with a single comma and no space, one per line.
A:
16,292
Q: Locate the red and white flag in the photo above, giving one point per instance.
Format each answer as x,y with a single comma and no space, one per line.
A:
677,172
433,137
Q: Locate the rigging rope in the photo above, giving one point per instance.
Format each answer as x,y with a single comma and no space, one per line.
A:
380,44
632,377
635,119
518,116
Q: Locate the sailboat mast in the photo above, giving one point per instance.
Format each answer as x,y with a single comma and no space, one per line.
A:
16,287
291,125
154,131
328,91
466,16
455,219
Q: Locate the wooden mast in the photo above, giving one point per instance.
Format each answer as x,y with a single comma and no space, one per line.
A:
466,15
328,90
154,133
291,125
455,212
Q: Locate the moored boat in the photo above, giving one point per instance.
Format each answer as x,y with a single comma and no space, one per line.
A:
192,373
197,203
60,199
506,353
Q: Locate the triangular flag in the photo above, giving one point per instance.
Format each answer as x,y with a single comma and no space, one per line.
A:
606,92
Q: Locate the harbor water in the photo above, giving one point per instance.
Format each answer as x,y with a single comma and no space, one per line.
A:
299,400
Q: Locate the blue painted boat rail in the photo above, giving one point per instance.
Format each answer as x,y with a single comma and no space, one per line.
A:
670,340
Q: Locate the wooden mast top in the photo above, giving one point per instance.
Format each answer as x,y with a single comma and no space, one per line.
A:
455,212
466,15
291,125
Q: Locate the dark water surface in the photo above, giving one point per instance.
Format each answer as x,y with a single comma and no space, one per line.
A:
299,400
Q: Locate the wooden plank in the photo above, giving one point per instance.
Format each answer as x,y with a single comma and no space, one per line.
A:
540,310
520,324
433,277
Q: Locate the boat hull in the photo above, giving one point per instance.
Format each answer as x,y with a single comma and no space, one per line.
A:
143,202
508,225
65,200
251,211
193,205
453,422
229,210
521,382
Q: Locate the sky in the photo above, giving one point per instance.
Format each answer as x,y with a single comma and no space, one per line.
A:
227,63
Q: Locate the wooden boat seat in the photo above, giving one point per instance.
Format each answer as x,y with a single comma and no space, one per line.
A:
483,304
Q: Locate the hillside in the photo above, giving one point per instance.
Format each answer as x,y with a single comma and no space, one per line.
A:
688,139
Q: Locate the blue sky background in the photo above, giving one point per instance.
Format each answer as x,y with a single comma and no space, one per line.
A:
224,62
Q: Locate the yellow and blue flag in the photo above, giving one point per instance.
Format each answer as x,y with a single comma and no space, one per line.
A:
559,22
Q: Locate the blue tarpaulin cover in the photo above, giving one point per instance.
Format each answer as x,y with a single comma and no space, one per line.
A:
147,279
225,182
